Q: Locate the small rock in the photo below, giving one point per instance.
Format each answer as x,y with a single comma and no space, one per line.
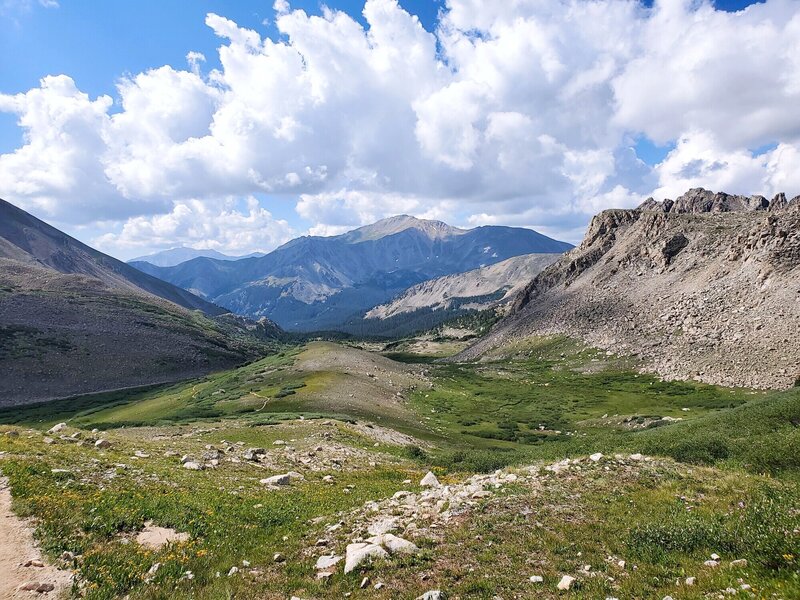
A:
37,586
276,480
739,563
101,443
326,562
596,456
565,583
711,564
690,580
278,557
193,466
715,556
233,571
364,583
56,428
536,579
432,595
33,563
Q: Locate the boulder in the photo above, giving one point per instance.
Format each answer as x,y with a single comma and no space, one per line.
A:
193,466
357,553
102,444
56,428
430,480
394,544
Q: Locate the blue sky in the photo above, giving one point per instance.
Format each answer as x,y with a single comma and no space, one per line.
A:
97,42
472,147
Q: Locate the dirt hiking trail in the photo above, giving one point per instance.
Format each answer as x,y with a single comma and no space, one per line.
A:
17,548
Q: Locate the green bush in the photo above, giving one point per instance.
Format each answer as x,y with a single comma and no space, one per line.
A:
477,461
760,530
415,452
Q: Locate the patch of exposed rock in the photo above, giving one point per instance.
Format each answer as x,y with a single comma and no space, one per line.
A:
704,287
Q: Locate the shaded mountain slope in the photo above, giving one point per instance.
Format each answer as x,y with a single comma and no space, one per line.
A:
706,287
26,238
321,282
73,322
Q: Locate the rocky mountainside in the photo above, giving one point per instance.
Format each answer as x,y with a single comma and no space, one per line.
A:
314,283
704,287
176,256
25,238
75,321
478,289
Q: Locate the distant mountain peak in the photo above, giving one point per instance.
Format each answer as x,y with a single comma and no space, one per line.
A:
392,225
179,254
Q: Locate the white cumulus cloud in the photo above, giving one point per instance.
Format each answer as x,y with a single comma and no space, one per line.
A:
520,112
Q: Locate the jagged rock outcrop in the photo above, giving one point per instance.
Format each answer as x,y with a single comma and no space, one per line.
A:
705,287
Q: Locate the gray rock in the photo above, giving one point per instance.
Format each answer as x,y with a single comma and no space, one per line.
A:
327,561
360,552
276,480
565,583
432,595
430,480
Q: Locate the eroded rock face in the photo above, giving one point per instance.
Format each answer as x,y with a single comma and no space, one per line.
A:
706,287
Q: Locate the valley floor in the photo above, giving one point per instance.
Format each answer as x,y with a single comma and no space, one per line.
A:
555,465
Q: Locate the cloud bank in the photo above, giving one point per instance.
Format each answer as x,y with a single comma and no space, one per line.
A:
521,112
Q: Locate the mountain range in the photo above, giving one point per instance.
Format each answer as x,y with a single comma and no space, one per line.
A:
317,283
180,254
74,320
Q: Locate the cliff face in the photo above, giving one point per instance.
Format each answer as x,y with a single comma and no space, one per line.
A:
705,287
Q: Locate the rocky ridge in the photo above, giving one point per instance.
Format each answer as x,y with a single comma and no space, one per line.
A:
704,287
473,290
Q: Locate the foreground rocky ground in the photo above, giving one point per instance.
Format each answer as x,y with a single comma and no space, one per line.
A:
320,509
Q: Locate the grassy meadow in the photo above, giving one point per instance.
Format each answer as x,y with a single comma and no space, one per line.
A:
723,478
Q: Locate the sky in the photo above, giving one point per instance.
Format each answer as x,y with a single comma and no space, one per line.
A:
239,125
